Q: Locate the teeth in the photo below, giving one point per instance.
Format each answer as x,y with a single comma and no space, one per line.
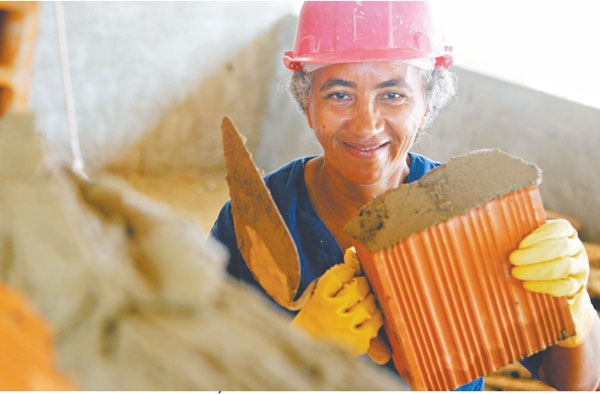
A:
364,148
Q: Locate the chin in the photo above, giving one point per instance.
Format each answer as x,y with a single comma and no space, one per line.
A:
364,179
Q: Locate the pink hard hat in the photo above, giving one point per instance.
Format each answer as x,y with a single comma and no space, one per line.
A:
330,32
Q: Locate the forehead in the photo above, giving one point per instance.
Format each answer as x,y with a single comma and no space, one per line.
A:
368,74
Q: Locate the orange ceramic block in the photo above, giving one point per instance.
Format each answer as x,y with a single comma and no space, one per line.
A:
18,35
27,358
452,310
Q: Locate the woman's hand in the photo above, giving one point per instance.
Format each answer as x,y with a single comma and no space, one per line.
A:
342,307
552,260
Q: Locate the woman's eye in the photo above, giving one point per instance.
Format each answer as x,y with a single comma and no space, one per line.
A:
338,96
393,96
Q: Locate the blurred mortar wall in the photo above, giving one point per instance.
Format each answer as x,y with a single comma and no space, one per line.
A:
152,81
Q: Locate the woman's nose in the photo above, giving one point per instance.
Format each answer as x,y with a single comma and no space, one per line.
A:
367,120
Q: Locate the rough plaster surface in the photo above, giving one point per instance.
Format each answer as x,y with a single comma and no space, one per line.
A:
285,134
138,296
152,80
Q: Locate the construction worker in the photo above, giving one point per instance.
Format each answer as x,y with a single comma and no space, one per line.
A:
369,76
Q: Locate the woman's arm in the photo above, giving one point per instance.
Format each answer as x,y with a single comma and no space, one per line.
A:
574,369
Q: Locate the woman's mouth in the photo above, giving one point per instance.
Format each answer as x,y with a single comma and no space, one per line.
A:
364,151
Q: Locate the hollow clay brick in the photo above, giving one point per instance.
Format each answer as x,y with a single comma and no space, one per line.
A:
436,254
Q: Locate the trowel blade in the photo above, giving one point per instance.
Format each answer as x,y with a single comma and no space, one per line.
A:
262,236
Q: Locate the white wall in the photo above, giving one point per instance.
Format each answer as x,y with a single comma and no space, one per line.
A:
532,42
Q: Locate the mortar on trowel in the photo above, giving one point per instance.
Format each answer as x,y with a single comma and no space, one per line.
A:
436,252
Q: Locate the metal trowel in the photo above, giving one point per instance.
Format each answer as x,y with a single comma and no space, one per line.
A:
262,236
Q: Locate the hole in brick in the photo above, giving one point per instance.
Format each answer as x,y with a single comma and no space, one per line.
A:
11,24
3,23
6,97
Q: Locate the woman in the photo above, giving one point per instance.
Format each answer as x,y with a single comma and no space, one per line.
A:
369,77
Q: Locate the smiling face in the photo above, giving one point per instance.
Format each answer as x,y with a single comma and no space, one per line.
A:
366,117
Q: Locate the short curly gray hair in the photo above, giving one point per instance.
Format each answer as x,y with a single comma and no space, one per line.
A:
439,86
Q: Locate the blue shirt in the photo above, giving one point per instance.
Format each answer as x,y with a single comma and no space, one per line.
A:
317,248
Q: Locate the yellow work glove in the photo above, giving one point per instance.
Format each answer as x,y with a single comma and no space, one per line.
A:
552,260
342,308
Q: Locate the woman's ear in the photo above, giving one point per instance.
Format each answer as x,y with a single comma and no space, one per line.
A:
307,113
425,119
